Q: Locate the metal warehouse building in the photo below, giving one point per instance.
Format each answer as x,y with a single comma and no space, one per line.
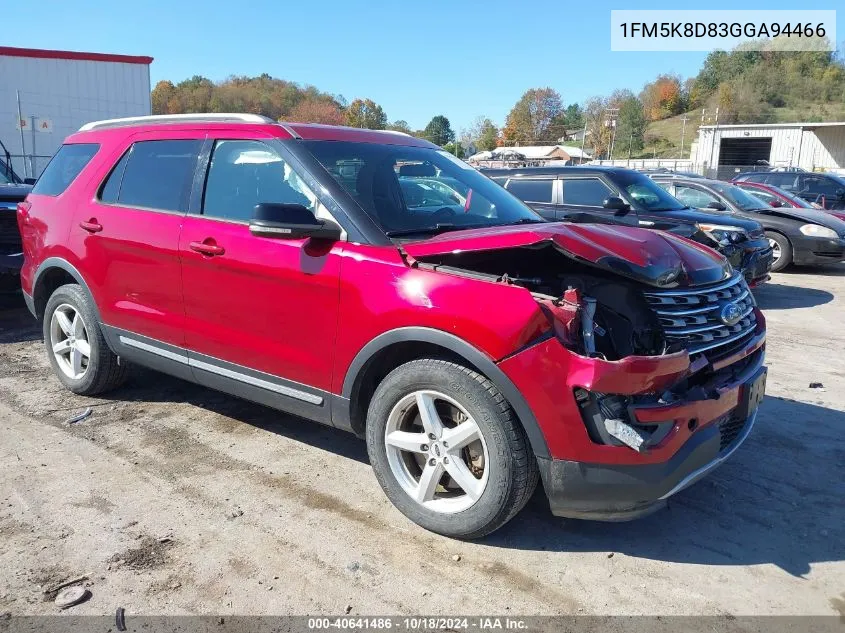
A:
46,95
729,149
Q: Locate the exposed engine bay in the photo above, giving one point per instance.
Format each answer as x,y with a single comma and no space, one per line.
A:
595,313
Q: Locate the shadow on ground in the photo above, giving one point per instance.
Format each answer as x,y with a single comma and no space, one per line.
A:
777,501
772,296
17,325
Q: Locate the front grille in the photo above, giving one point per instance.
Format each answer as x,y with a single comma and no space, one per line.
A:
692,317
729,429
9,233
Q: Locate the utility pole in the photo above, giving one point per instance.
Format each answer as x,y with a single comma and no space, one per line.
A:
20,125
583,139
610,122
32,158
712,140
683,133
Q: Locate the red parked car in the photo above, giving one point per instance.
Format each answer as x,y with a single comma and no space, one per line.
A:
476,347
777,197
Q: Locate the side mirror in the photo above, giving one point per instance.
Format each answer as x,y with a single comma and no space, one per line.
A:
615,203
290,222
776,203
718,206
29,181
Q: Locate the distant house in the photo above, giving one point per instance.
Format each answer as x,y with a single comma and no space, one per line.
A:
542,154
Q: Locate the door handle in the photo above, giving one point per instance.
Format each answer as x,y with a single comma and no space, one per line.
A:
207,247
92,226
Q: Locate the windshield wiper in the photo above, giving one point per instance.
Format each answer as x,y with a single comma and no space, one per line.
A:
441,227
522,221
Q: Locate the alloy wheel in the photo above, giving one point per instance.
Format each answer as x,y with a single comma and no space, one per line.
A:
776,252
436,452
69,341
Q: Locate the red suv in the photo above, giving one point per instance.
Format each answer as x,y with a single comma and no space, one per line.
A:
371,281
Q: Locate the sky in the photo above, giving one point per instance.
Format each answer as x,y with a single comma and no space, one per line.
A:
458,58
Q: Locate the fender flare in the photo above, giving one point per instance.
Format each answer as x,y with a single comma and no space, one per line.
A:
58,262
465,351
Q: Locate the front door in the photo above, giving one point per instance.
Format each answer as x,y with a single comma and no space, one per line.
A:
261,313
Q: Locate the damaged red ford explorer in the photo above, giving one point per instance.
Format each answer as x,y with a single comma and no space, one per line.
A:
371,281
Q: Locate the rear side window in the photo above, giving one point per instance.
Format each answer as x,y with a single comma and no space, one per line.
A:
63,169
590,192
531,190
154,175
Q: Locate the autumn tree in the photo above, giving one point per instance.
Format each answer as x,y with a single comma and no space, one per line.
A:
439,131
662,98
530,121
366,113
161,95
317,111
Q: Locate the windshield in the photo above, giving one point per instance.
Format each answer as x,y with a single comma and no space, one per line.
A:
408,190
740,198
6,176
646,194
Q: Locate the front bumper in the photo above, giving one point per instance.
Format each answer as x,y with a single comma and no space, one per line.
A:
703,423
602,492
814,250
756,262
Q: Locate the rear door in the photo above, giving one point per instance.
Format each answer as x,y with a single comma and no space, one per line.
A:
822,190
128,237
540,193
261,313
583,201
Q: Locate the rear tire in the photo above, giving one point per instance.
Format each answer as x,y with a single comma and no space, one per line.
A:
466,490
76,348
782,249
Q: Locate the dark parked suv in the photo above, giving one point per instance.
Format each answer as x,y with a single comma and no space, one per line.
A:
826,190
476,347
12,190
622,196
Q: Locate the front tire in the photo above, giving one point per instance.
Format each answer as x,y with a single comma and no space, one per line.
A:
448,450
77,350
782,250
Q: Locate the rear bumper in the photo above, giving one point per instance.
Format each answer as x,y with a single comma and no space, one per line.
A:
603,492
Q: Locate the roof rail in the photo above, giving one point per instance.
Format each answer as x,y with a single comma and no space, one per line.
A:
227,117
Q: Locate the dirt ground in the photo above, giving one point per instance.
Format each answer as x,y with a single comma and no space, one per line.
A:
174,499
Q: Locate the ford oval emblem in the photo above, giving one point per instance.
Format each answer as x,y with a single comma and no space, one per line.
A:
731,313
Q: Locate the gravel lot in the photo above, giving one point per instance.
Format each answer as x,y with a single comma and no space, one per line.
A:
174,499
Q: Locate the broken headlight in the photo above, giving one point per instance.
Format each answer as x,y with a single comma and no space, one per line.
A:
724,234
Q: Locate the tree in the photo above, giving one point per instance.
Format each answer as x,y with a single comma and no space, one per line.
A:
662,98
483,134
161,95
598,129
400,126
531,120
317,111
439,131
630,127
455,149
366,113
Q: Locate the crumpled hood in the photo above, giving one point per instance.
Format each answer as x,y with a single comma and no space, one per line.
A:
653,257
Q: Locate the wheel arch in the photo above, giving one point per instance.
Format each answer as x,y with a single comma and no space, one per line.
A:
52,273
395,347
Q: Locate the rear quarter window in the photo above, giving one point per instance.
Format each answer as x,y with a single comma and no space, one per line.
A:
63,169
